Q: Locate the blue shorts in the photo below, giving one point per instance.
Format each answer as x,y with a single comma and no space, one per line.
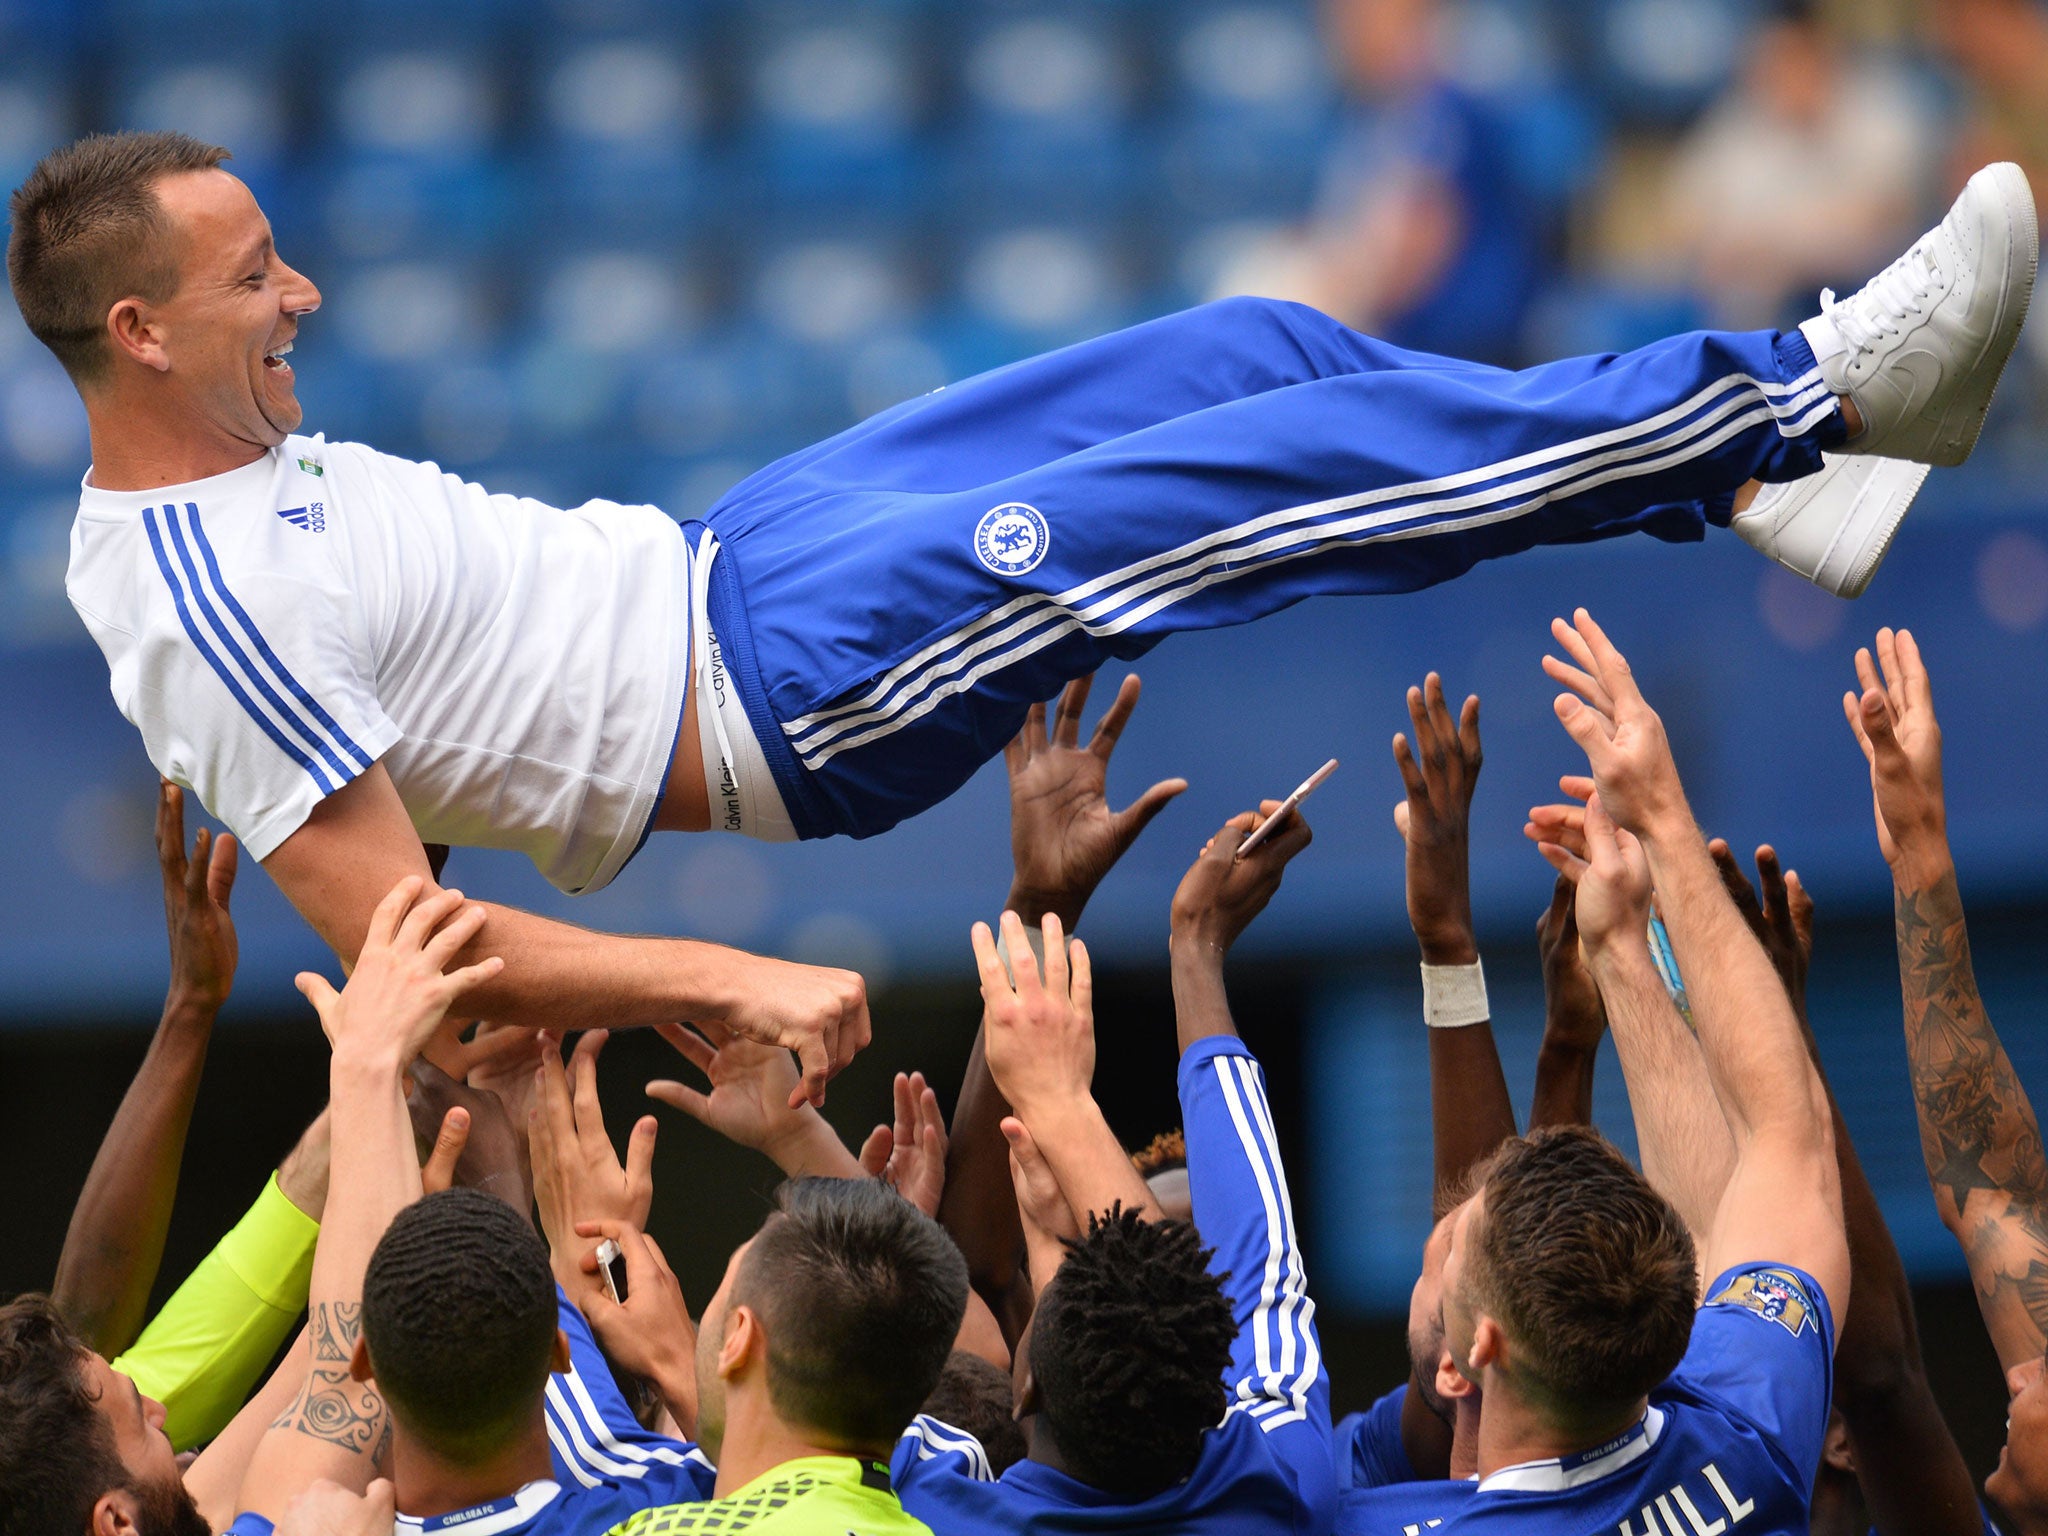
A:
894,599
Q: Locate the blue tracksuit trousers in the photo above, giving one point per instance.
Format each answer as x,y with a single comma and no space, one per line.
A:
895,598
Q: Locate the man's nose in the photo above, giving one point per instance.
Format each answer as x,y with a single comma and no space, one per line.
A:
300,296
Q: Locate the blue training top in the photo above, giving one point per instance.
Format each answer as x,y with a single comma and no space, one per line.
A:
1266,1468
1732,1438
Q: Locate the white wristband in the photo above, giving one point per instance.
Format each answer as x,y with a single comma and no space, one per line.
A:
1454,995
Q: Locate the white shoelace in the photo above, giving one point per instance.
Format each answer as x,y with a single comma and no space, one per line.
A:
1882,306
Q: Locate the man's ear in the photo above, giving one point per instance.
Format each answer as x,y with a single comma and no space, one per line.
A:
743,1341
1451,1383
1835,1450
1489,1344
114,1514
134,333
359,1368
560,1362
1027,1394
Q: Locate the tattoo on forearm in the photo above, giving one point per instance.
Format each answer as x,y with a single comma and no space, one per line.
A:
1978,1133
332,1406
335,1326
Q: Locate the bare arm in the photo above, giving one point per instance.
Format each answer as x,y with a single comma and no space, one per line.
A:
359,842
1913,1476
1574,1019
1470,1112
116,1238
1686,1149
1682,1136
1979,1135
337,1426
1041,1051
1783,1199
1064,840
215,1477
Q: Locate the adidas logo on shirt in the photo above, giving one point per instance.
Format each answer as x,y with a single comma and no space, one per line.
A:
310,519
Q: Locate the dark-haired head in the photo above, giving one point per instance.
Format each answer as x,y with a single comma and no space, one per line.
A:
460,1324
88,230
1584,1274
841,1311
976,1396
80,1447
1128,1349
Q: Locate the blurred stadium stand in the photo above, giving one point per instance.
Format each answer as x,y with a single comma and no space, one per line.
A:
637,248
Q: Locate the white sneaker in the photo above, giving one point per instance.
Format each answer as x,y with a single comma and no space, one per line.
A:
1834,526
1920,347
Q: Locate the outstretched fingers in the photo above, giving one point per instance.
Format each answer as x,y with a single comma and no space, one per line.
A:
1137,816
690,1045
1066,726
1110,728
1609,665
1918,686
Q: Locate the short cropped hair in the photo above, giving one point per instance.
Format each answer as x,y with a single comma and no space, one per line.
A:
1586,1266
1162,1154
460,1313
89,231
57,1452
977,1396
1128,1348
861,1295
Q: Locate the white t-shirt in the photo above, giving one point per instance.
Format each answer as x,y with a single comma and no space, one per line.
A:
273,631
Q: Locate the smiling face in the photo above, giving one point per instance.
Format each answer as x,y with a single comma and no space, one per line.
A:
219,341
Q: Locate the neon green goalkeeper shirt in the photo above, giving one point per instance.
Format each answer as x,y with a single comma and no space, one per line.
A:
203,1352
811,1496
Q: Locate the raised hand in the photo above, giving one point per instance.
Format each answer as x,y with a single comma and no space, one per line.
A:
650,1332
1063,836
816,1011
749,1101
1040,1033
1440,770
1612,903
1894,723
196,892
1042,1206
1606,714
398,995
1782,921
448,1142
577,1175
1221,894
1572,1008
910,1156
476,1144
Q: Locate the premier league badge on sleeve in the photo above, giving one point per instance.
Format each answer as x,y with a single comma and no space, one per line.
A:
1012,539
1771,1294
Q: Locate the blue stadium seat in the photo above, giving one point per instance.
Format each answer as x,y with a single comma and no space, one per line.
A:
1046,102
1660,61
832,106
36,114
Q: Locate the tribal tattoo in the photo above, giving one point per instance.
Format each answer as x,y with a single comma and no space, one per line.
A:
332,1406
1978,1133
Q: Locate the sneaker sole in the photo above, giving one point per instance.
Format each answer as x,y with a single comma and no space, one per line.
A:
1879,543
1974,404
